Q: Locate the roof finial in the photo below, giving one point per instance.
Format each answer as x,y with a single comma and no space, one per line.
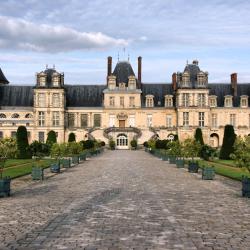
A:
187,62
124,52
54,66
118,57
128,57
46,66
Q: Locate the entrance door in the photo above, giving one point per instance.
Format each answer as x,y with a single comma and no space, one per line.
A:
122,141
121,123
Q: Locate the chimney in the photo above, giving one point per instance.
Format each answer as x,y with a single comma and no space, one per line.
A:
139,70
109,67
174,82
234,83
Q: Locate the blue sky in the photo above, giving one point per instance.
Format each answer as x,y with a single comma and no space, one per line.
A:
78,35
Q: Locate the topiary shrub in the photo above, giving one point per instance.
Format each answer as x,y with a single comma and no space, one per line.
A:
133,144
228,143
206,152
112,144
51,138
198,136
39,149
22,143
72,137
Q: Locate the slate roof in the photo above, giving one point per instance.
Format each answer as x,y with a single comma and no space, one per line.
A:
122,71
12,95
84,95
193,70
3,79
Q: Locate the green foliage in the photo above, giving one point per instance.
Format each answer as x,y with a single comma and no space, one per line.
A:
8,148
241,154
72,137
151,144
175,149
74,148
207,151
39,149
191,148
88,144
111,144
51,139
133,143
22,143
198,136
228,142
145,144
176,138
162,144
65,149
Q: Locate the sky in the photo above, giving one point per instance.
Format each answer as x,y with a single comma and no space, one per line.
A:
77,36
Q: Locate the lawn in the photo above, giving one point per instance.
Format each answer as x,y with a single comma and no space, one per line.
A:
226,170
225,162
16,162
24,167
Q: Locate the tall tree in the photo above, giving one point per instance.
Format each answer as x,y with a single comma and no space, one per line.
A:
22,143
72,137
198,136
51,139
228,142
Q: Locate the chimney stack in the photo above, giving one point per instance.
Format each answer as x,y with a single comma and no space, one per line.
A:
174,81
109,67
234,83
139,70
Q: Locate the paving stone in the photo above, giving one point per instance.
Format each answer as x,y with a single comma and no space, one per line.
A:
125,200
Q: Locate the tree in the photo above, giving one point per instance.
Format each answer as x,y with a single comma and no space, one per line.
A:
72,137
39,149
191,148
175,149
198,136
51,139
228,142
22,143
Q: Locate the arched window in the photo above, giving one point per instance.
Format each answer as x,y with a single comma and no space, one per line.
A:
28,115
15,115
2,116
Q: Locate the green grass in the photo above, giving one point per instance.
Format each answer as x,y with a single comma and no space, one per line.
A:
16,162
18,171
226,170
225,162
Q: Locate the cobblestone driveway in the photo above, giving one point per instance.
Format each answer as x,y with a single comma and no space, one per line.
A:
126,200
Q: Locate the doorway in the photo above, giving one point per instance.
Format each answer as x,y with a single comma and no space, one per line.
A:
122,141
121,123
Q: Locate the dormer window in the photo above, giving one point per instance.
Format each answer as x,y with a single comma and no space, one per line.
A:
213,101
42,79
202,79
244,101
168,101
185,79
111,82
131,82
228,102
55,79
149,101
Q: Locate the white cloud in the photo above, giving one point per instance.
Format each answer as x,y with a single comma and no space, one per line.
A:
23,35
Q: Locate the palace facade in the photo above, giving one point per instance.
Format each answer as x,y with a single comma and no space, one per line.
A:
125,107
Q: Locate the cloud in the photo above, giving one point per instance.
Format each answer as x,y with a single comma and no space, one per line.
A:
24,35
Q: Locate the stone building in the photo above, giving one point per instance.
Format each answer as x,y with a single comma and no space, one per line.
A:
124,107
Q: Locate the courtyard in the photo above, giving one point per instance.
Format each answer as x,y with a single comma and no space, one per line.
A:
125,200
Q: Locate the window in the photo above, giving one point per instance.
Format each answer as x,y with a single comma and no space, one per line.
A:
185,99
233,119
214,121
131,120
71,120
41,100
2,116
84,120
112,120
185,79
13,134
201,119
149,120
244,102
131,101
97,120
28,134
122,101
213,102
228,102
185,119
168,101
111,101
1,134
201,100
55,100
42,80
149,101
15,115
56,118
169,121
41,137
41,118
56,80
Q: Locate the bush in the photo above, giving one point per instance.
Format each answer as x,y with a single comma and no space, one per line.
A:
162,144
112,144
74,148
22,143
206,152
191,148
88,144
198,136
39,149
133,144
175,149
72,137
51,139
228,142
8,148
